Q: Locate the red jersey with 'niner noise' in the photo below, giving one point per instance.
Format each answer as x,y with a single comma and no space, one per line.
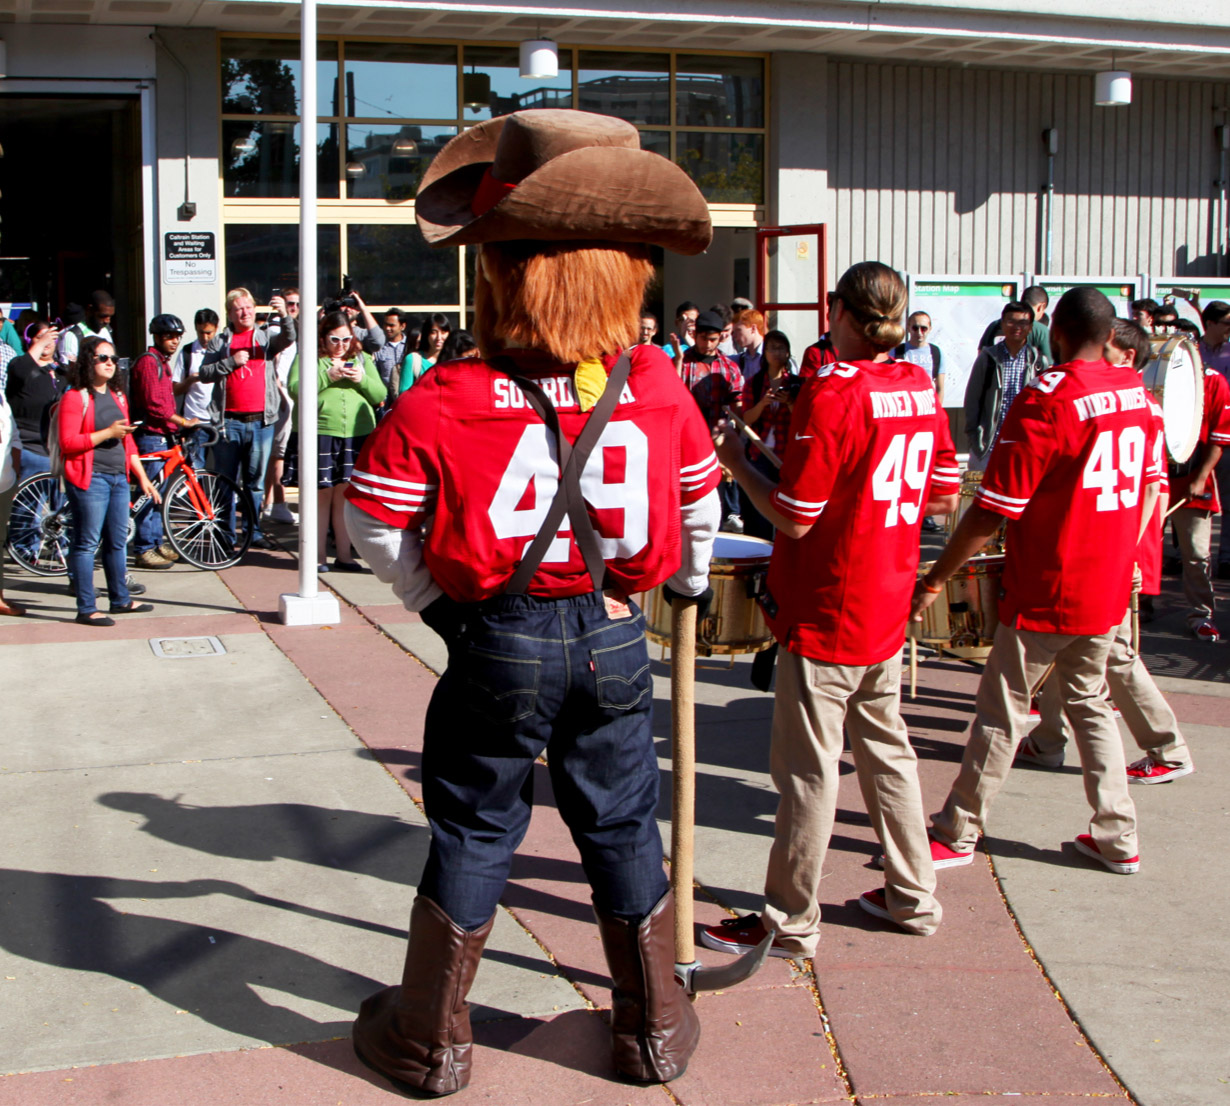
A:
869,446
1078,447
464,448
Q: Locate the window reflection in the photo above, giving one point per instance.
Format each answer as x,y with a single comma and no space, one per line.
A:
719,92
392,264
727,168
400,81
387,162
635,87
260,160
261,76
507,90
262,257
658,142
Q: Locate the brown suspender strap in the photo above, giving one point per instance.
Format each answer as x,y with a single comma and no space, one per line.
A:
572,458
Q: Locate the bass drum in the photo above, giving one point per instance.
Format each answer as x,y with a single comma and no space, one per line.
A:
965,615
735,623
1175,376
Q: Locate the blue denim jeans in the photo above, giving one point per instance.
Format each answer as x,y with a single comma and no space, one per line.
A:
194,446
99,517
32,463
242,453
149,518
524,675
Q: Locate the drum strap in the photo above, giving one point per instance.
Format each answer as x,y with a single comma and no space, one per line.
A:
572,458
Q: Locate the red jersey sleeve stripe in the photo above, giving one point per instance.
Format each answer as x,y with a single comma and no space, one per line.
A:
389,494
686,471
797,509
1219,437
1002,504
690,481
375,479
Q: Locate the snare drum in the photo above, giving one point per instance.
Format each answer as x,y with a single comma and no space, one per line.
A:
735,622
1175,376
971,481
963,619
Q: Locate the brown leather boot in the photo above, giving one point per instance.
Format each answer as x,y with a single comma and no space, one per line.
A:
654,1029
418,1035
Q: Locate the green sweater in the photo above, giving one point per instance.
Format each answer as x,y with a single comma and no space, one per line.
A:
346,409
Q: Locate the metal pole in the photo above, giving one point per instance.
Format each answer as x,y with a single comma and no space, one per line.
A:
310,606
306,407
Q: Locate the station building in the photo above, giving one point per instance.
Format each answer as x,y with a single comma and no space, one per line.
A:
151,146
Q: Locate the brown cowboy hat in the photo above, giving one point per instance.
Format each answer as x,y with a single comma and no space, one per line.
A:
559,175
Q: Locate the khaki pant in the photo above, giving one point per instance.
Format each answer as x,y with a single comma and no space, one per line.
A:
1016,664
1145,711
813,702
1193,530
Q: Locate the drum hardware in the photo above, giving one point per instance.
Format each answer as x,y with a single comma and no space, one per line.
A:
1174,375
963,618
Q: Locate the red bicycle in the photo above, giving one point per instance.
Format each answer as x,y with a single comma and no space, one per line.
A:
206,518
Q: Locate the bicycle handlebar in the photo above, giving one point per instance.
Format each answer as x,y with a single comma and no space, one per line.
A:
210,431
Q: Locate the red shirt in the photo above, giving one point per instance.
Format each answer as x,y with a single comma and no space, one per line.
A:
816,356
1077,448
463,446
245,387
868,448
1214,430
713,385
150,391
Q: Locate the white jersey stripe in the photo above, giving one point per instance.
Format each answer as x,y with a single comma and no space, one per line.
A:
396,483
801,505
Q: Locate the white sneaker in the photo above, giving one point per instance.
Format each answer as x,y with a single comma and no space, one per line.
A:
733,524
279,512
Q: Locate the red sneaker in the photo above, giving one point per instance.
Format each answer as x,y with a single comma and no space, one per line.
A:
1027,753
875,903
1148,770
739,935
941,856
1085,844
1206,631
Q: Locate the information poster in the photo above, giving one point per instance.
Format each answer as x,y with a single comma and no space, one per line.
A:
1119,290
1178,290
960,309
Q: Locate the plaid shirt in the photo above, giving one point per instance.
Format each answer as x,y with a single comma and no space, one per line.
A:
713,385
773,425
1014,376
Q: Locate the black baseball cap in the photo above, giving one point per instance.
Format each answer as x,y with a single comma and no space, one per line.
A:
166,324
710,320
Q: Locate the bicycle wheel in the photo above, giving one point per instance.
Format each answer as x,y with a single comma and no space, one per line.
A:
39,526
208,520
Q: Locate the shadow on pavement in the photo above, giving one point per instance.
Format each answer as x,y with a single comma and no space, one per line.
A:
350,841
62,920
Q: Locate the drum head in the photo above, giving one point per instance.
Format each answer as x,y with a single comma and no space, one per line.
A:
732,548
1175,376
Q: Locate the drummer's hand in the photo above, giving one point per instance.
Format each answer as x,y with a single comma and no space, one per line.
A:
702,601
1197,486
1137,579
727,444
921,601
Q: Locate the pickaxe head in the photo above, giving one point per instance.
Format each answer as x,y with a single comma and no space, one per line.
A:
698,977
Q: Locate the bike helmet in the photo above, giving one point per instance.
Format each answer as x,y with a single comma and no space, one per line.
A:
166,324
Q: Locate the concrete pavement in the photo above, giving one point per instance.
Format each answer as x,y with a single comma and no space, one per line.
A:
211,860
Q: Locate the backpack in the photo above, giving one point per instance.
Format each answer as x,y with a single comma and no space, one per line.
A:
54,453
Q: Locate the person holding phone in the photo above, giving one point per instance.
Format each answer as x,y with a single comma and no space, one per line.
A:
95,438
349,390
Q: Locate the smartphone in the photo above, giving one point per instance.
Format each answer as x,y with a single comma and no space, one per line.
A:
275,292
347,364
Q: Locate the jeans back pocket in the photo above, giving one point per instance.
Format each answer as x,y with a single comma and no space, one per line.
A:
622,674
503,687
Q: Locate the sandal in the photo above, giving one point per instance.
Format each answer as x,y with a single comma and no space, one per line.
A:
133,608
11,610
95,619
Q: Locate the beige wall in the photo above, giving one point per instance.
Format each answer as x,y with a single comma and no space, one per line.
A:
936,169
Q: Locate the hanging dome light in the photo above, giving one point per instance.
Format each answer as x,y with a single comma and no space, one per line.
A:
355,169
476,90
539,58
1112,88
404,146
243,145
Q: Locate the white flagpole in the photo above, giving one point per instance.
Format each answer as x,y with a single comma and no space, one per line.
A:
310,607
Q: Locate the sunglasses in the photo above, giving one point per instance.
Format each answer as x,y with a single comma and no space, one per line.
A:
335,340
102,358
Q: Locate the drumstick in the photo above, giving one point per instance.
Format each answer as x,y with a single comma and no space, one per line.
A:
1135,621
753,437
1172,510
913,666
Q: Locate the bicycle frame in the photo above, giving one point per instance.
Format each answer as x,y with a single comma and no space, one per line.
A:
175,460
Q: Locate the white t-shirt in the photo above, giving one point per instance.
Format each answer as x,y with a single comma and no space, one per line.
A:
195,402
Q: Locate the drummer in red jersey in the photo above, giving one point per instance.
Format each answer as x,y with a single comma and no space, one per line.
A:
870,457
1075,471
530,588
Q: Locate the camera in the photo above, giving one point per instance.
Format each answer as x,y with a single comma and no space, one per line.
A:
789,387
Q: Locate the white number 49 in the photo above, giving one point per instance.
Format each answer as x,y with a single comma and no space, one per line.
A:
1103,468
904,463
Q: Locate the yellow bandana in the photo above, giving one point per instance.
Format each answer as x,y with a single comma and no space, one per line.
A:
589,382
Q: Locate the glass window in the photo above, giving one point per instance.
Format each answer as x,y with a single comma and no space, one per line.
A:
635,87
264,257
392,264
400,81
728,168
261,76
387,162
260,160
719,92
658,142
492,80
